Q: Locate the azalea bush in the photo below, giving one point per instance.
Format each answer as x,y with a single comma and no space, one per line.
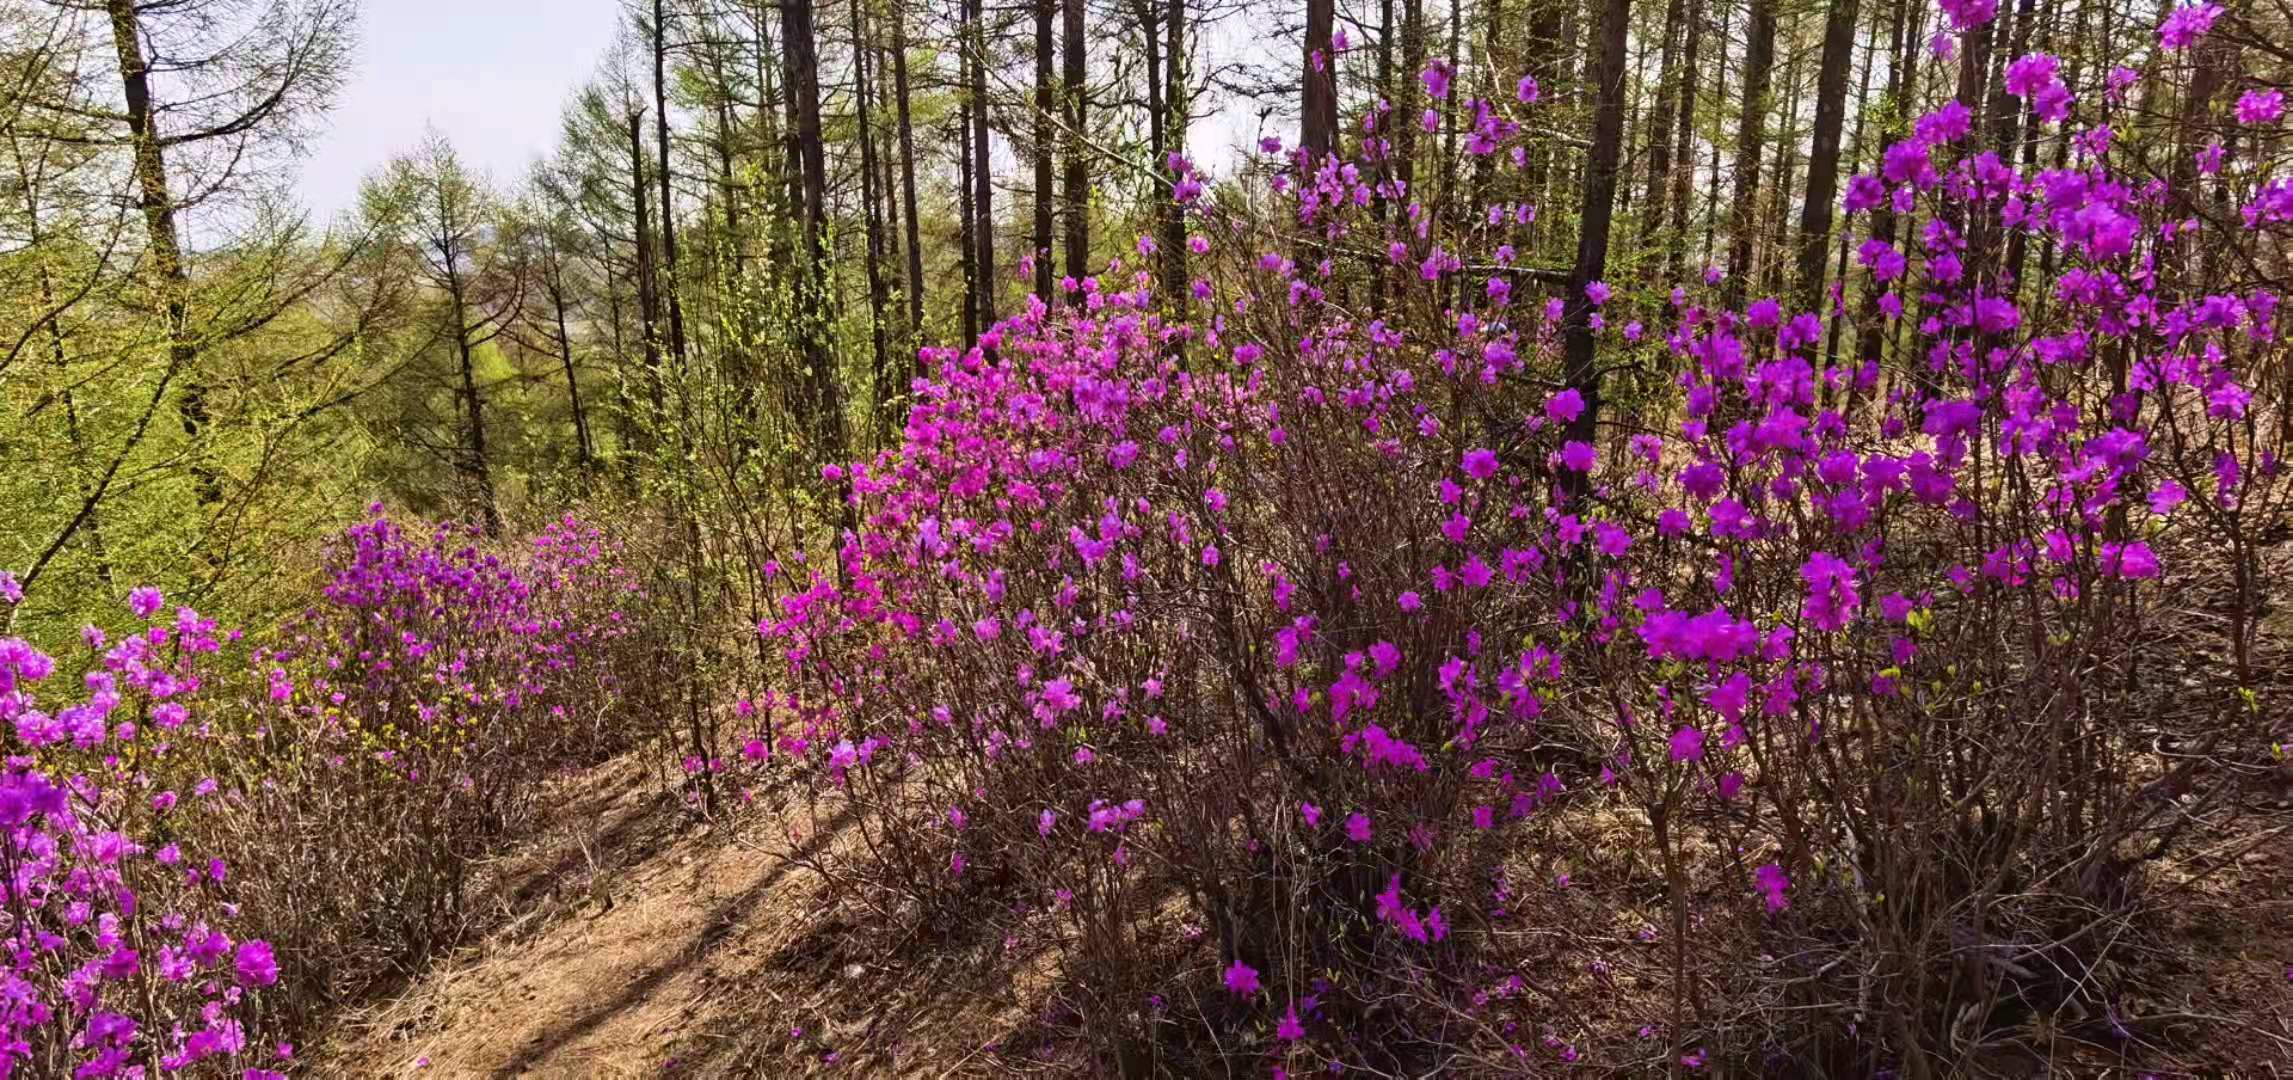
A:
409,718
208,842
126,953
1268,643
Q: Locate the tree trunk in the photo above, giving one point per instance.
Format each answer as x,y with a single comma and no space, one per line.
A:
476,465
1823,157
879,295
1318,74
648,285
800,56
172,280
913,221
1786,173
1174,100
1043,254
967,216
584,451
1660,119
1579,364
1902,46
1751,133
1077,185
667,283
982,174
1683,178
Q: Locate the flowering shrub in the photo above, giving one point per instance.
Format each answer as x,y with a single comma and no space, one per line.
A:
125,954
326,794
1258,641
407,719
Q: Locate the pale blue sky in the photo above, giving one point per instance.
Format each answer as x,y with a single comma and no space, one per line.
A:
492,75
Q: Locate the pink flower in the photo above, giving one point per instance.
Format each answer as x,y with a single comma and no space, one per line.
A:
1687,744
1968,14
1772,882
1241,978
1480,464
1290,1030
2031,73
2260,106
1357,827
1578,456
1565,406
144,602
1436,79
2186,24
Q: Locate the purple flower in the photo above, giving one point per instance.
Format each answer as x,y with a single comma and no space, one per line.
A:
1059,696
1357,827
255,964
1436,79
1480,464
1687,744
2031,73
1290,1030
1968,14
1564,407
2260,106
144,601
1772,882
1831,597
2186,24
1241,978
1578,456
2129,561
1947,124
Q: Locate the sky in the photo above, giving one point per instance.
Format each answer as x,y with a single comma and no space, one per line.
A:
493,75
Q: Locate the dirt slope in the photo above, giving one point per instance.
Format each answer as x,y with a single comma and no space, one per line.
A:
638,944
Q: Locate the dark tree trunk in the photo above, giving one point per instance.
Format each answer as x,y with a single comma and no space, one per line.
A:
171,279
1318,131
1174,127
1683,178
967,218
584,450
1823,156
1751,134
1902,45
982,173
476,465
1660,119
1579,364
915,244
801,74
879,294
648,294
1076,191
1045,151
668,207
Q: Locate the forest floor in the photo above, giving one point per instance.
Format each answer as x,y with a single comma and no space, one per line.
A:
628,938
634,942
